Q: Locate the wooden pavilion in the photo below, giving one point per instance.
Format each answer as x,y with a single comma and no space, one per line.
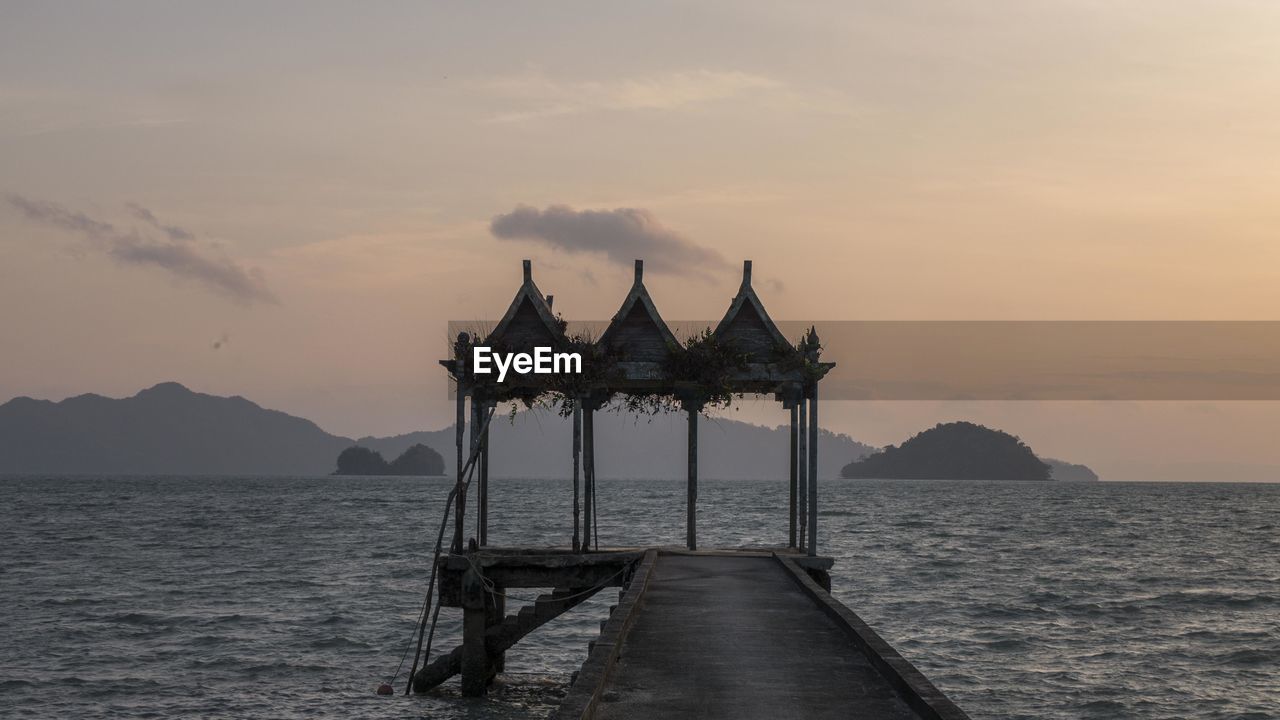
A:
760,623
639,357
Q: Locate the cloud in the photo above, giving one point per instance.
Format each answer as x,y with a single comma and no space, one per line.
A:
621,235
547,97
174,252
173,231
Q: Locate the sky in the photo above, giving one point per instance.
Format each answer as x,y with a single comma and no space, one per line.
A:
288,201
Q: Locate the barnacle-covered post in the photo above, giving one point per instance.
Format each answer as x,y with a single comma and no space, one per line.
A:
811,360
461,353
588,475
591,528
691,531
802,459
474,449
790,397
791,496
577,456
489,406
692,401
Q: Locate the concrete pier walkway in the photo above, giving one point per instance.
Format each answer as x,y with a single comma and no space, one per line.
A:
732,636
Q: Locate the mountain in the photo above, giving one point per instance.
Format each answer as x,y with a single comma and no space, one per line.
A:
540,444
170,430
166,429
954,451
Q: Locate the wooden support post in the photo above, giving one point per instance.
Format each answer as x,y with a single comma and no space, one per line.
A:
476,668
577,453
691,520
802,459
588,476
791,525
813,471
488,407
460,500
590,435
476,412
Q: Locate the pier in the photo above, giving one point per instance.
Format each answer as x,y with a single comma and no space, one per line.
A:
696,632
743,635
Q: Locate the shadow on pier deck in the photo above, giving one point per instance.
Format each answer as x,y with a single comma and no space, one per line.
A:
743,635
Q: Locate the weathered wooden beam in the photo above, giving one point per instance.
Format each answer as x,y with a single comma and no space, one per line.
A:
691,507
477,671
538,571
484,479
501,635
813,471
589,475
476,405
802,459
791,514
460,499
577,454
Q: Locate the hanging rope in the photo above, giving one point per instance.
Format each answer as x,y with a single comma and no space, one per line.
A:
467,473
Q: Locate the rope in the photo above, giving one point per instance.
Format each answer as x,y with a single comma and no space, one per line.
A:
467,473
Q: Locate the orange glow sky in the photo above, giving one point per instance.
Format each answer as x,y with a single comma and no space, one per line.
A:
882,160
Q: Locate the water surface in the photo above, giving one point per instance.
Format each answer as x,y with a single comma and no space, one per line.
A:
283,598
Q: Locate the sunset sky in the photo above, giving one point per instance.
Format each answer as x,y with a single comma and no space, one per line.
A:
288,201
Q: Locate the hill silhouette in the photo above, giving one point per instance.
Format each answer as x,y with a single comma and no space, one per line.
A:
417,460
170,430
538,444
954,451
165,429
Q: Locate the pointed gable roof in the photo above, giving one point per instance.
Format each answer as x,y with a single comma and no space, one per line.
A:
528,321
637,330
747,326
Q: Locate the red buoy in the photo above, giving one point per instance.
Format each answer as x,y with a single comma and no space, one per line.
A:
386,689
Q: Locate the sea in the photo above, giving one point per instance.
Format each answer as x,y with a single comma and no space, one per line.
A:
214,597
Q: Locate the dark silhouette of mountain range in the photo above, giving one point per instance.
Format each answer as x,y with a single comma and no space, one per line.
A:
166,429
539,444
170,430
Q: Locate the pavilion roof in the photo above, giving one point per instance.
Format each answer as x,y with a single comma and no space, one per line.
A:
640,342
529,321
747,327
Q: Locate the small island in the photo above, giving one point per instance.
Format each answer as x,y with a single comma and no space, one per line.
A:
417,460
1071,472
954,451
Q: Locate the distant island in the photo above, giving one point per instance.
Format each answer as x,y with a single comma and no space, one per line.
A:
171,430
417,460
962,451
1071,472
